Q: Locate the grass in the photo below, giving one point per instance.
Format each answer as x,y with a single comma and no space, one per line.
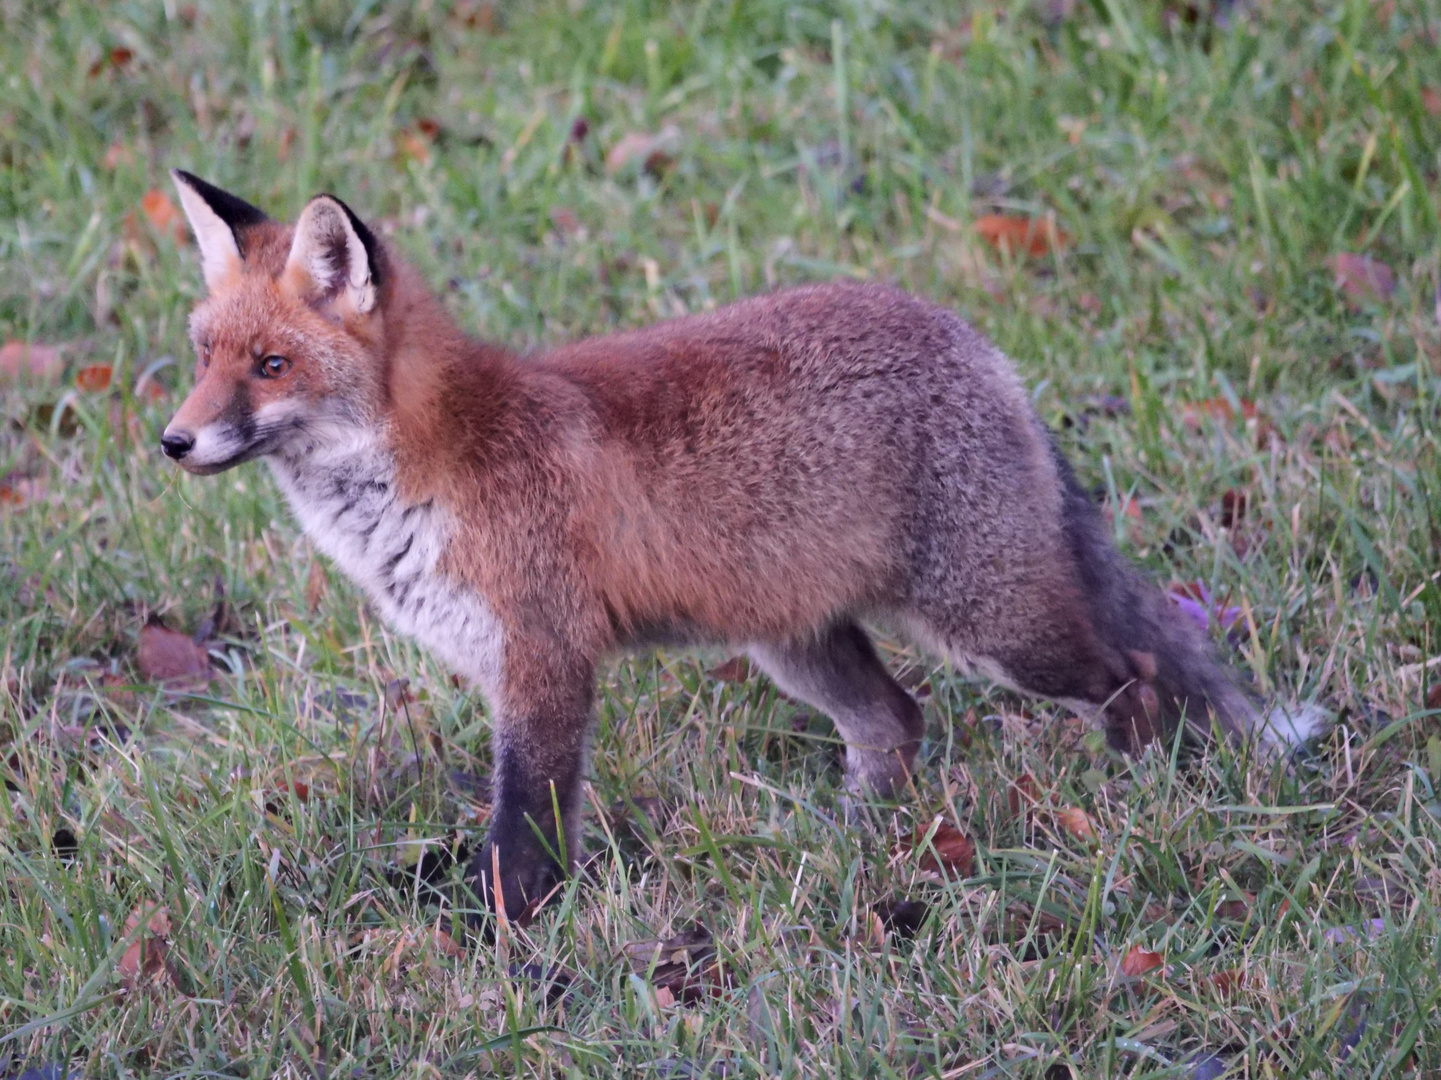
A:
1208,162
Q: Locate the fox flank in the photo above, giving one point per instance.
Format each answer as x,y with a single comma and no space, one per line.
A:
770,475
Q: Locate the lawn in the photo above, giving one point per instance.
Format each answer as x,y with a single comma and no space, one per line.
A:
1206,232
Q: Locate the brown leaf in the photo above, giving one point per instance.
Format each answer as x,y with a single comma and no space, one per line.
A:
317,584
1138,961
1433,696
29,360
1226,983
16,490
736,669
685,966
118,154
1431,99
94,378
1022,794
648,147
119,57
1217,408
447,945
145,956
949,852
565,221
1362,278
1078,823
163,214
1233,507
1017,235
413,144
168,656
1238,907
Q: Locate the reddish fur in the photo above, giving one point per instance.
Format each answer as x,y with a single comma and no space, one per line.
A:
765,475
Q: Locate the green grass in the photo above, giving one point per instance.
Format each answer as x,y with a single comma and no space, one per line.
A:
1207,171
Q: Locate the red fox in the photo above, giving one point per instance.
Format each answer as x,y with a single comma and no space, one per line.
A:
767,475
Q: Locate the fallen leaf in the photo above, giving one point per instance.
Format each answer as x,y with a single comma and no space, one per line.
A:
685,965
1022,794
94,378
1226,983
948,852
145,956
317,584
1431,99
29,360
1233,507
1078,823
118,154
447,945
1138,961
565,221
168,656
736,669
17,490
1236,908
651,148
163,214
1362,278
1006,232
1217,408
413,144
1433,696
118,57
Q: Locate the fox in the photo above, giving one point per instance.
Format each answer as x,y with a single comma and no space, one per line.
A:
771,476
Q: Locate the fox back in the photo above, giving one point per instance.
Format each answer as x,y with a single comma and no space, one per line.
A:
769,475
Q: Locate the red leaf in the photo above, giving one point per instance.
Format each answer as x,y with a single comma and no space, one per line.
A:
163,214
1217,408
736,669
30,360
1138,961
168,656
949,852
1078,823
1022,794
94,378
1032,236
145,956
1362,278
1226,983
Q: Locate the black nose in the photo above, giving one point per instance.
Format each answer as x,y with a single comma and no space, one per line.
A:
177,444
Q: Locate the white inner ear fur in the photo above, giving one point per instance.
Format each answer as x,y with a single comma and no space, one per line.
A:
328,253
219,253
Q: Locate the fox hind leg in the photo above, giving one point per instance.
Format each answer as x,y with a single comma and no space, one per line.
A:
838,672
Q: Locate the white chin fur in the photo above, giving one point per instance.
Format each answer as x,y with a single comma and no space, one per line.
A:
1292,725
214,444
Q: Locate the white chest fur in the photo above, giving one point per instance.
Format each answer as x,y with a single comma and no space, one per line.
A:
344,494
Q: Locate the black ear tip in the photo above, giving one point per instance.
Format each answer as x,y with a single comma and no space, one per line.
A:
233,210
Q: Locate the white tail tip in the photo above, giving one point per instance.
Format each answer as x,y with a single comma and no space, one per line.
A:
1291,725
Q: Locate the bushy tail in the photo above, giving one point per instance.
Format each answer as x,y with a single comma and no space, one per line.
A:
1170,663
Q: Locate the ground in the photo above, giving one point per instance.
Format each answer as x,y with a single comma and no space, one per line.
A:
1206,232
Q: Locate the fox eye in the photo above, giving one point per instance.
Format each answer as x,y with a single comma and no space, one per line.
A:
205,353
272,367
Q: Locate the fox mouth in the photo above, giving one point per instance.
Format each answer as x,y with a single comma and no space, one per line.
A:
218,447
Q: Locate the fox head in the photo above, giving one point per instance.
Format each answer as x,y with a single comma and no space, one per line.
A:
288,340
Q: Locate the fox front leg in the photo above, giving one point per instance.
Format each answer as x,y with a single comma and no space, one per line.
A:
541,715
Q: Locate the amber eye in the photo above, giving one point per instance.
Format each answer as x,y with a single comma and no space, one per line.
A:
272,367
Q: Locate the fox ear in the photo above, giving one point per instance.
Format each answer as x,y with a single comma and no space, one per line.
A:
216,217
334,258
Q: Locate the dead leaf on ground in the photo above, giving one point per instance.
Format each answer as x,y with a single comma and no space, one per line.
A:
1218,408
170,657
414,142
1022,794
1233,507
736,669
1018,235
164,215
29,360
1362,278
118,58
1138,961
949,852
1078,823
684,966
1225,983
1431,99
652,149
1433,696
565,221
94,378
146,955
1237,907
17,490
118,154
317,584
